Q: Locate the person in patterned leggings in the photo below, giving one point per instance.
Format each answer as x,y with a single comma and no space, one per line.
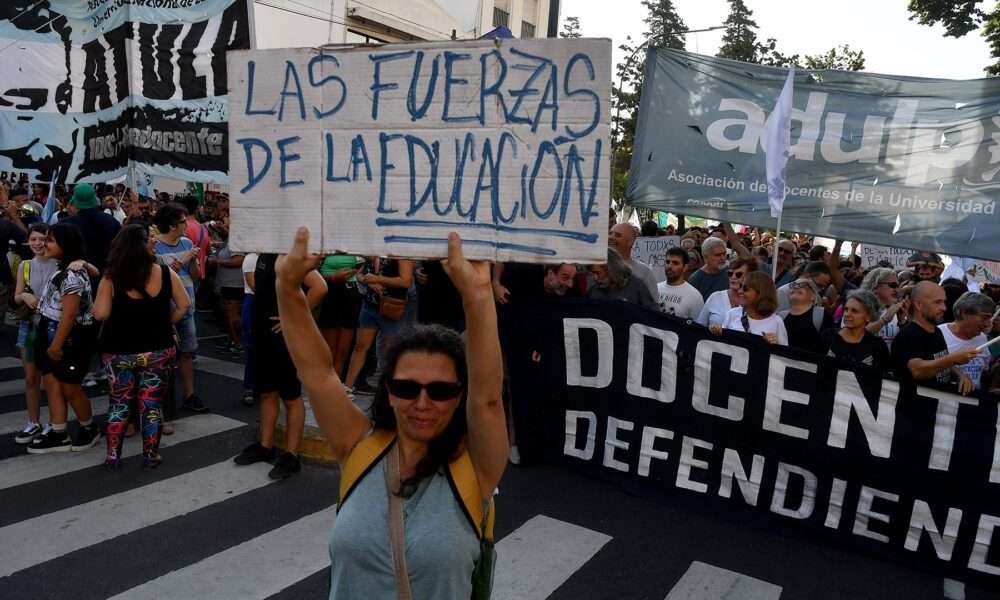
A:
139,302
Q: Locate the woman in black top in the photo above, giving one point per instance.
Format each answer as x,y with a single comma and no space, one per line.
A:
853,343
139,304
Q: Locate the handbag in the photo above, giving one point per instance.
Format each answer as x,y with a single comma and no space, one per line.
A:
23,312
483,572
391,309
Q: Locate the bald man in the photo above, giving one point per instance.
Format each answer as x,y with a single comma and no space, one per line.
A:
919,352
622,238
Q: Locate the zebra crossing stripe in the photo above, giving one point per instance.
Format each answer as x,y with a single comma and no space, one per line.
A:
100,520
708,582
29,468
541,555
12,387
220,367
9,362
254,570
11,422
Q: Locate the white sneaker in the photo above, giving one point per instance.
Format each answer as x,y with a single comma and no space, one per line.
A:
515,456
28,433
89,380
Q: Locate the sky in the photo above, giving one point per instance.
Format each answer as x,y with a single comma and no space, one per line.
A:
892,43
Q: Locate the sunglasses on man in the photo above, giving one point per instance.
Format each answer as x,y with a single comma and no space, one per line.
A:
439,391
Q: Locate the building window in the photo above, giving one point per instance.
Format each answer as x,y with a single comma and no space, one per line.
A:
501,18
527,30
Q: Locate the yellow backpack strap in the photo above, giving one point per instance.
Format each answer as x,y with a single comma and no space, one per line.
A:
465,486
361,460
27,272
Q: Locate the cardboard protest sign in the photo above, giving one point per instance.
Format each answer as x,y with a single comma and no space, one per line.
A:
871,255
384,151
652,251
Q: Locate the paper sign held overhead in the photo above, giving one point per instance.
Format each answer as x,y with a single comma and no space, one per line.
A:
384,151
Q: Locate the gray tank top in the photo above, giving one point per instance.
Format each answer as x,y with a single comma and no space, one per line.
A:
441,545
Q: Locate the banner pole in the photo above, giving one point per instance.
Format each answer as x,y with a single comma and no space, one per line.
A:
777,241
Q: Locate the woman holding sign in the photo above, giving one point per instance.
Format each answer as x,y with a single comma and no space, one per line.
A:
435,449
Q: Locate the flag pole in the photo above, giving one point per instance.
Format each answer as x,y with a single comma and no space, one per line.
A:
777,242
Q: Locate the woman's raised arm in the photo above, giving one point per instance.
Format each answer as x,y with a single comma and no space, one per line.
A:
343,423
485,414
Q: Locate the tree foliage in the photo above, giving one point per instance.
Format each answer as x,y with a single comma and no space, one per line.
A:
571,28
665,28
841,58
740,40
960,17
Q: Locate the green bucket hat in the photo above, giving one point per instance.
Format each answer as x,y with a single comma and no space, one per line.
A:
84,197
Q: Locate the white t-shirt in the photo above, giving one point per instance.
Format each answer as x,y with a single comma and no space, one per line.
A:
890,331
249,266
682,300
771,325
716,309
975,367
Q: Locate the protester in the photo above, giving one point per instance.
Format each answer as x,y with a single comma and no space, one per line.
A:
786,263
13,235
179,253
973,318
614,281
884,284
712,277
719,304
756,313
920,352
853,343
199,235
32,275
229,282
436,403
139,301
246,319
338,317
804,320
622,238
385,298
816,272
64,342
926,266
559,279
274,373
96,227
675,295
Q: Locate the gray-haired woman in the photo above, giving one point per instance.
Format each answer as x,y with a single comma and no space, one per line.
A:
853,343
613,281
885,285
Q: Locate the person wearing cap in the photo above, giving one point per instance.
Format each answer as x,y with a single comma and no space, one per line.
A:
97,227
927,266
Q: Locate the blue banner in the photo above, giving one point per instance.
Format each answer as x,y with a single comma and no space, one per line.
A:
897,161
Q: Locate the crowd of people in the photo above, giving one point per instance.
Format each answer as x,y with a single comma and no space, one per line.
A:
118,276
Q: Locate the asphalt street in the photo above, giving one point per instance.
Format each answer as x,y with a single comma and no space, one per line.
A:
199,527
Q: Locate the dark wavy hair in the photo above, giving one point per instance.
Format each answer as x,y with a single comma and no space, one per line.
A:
70,240
430,339
130,262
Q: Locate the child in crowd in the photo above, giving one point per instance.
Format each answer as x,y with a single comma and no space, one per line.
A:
32,275
64,342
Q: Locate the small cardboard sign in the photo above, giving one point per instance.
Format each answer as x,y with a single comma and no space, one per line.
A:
385,150
653,252
871,255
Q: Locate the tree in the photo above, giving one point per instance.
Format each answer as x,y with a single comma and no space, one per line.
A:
841,58
740,40
571,28
960,17
666,29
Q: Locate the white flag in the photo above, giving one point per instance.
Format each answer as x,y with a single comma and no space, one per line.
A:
777,139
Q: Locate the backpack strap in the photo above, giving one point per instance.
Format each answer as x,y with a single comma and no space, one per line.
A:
461,477
818,314
27,273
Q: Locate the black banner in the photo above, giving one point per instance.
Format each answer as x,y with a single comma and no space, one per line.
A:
661,406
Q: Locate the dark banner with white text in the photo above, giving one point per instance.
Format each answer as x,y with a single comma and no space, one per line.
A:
662,407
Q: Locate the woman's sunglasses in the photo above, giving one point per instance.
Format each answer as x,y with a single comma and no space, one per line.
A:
736,274
440,391
893,285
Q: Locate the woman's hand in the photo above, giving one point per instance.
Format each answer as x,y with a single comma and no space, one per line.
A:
293,267
471,278
29,300
78,265
715,329
771,338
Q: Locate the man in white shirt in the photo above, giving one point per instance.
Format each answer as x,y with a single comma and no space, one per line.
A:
676,296
973,317
622,238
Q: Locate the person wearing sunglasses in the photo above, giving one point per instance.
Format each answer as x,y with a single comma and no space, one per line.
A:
757,313
439,402
817,272
852,343
719,304
786,261
885,285
805,319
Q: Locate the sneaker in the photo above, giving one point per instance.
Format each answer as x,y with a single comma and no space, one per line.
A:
89,380
255,453
287,465
86,438
248,398
194,404
236,348
223,345
50,441
515,456
28,433
168,429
